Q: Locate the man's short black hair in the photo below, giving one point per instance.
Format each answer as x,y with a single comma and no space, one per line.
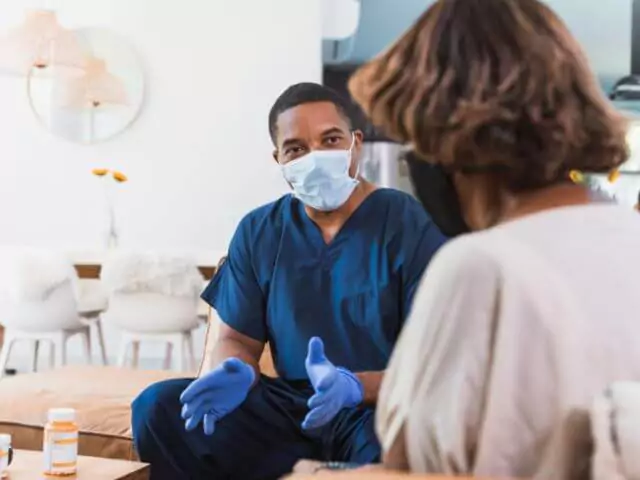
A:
302,93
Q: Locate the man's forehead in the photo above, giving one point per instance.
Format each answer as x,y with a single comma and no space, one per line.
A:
309,118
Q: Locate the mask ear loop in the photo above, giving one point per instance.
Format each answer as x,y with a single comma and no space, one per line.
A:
353,143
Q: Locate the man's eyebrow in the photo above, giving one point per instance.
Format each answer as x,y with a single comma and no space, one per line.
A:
332,131
291,141
297,141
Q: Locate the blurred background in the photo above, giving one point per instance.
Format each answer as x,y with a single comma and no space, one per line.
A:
168,103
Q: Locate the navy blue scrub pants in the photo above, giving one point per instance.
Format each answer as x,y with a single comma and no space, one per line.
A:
261,440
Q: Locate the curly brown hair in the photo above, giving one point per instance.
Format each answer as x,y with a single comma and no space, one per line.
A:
494,83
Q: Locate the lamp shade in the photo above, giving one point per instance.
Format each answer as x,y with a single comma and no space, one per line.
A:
39,42
92,88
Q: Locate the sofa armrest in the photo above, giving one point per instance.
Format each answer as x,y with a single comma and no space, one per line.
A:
213,326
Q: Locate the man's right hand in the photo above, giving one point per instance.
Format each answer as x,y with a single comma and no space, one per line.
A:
219,392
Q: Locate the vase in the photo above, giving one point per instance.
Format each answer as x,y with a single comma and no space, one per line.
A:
111,240
111,233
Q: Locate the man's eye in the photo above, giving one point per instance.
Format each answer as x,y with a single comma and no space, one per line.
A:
293,150
333,140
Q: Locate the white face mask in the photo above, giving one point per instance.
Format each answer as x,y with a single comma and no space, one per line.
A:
321,179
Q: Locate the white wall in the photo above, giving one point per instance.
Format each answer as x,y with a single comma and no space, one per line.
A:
198,158
602,28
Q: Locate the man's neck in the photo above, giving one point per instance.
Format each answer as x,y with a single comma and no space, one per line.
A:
330,223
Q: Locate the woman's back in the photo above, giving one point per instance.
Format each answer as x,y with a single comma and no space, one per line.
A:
541,317
514,330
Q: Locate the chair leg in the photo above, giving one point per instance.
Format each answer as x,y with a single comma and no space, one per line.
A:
191,354
135,356
86,343
167,356
122,356
35,350
52,354
6,351
178,348
61,350
100,335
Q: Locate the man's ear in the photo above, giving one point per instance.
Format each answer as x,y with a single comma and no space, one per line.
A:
358,140
359,137
356,153
275,155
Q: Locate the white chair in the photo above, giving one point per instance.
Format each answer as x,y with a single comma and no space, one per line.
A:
153,299
92,303
38,302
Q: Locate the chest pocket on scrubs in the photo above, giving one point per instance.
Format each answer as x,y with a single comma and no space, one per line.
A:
376,309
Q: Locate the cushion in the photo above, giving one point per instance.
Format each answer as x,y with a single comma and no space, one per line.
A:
91,298
101,396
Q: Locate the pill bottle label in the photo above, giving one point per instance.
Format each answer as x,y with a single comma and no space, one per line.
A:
4,462
60,452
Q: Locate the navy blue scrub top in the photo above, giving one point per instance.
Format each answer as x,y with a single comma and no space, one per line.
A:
283,284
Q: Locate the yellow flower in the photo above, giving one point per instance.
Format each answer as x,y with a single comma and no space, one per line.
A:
99,172
576,176
120,177
613,175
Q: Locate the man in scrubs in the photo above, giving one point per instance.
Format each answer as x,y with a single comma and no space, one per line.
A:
326,275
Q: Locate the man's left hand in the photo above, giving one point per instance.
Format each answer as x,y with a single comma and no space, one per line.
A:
335,388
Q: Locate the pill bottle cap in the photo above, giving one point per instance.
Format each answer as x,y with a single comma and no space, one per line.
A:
62,415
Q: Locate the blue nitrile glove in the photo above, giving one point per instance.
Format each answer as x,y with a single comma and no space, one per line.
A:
216,394
336,388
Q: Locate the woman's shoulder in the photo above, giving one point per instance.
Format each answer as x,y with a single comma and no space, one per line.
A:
538,241
477,247
466,257
493,252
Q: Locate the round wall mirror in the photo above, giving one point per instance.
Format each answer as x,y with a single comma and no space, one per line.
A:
96,101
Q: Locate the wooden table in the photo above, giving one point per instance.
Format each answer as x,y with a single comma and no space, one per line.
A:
91,271
380,476
27,465
374,472
370,476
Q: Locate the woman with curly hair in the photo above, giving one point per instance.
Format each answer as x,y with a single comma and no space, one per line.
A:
530,313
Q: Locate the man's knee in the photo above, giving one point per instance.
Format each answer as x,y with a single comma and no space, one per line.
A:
157,404
257,440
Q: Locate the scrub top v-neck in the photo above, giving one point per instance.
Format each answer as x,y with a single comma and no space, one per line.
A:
312,234
315,234
284,284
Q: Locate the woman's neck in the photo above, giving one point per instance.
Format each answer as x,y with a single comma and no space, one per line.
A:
527,203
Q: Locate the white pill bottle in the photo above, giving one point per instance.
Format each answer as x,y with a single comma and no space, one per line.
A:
60,447
5,454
